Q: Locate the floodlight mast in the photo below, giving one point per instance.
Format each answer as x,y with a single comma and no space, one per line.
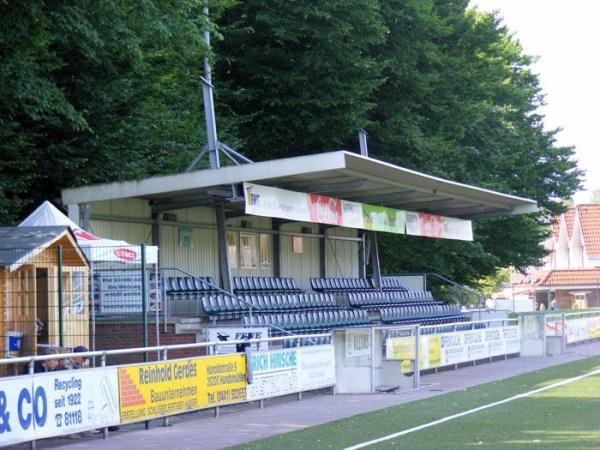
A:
209,105
214,146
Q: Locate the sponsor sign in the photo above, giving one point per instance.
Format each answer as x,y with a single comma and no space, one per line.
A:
274,202
58,403
358,343
120,291
316,367
593,327
78,400
378,218
157,389
325,209
225,334
273,373
576,330
281,372
456,347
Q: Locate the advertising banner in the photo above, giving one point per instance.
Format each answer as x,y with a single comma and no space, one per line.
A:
225,334
379,218
352,215
325,209
273,373
120,291
576,330
456,347
316,367
457,229
593,327
78,400
155,389
17,399
274,202
281,372
57,403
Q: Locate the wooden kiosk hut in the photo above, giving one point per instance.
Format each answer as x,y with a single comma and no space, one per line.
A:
43,290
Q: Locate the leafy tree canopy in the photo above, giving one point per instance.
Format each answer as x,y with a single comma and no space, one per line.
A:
102,91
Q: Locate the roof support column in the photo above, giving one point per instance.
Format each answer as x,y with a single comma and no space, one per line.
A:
73,212
224,272
322,252
375,260
362,265
276,226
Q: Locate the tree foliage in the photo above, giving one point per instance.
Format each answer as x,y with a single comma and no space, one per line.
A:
102,91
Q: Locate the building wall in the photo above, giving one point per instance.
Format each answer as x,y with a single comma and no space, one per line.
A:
301,266
341,257
112,336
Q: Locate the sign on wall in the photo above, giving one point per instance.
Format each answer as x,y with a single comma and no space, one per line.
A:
274,202
226,334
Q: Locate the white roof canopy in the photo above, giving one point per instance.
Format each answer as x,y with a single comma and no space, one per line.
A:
95,248
339,174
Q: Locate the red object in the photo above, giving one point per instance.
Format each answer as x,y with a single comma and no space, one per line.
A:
126,254
324,209
431,226
82,234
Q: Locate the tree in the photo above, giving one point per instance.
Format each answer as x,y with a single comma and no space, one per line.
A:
298,75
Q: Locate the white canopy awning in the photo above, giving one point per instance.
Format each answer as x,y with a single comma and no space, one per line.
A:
96,249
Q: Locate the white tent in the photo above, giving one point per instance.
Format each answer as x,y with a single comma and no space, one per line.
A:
95,248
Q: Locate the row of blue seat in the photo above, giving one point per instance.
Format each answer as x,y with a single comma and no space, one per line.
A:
378,298
265,285
392,284
431,313
311,321
226,304
340,284
182,286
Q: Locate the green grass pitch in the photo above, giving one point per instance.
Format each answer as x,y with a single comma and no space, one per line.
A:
566,418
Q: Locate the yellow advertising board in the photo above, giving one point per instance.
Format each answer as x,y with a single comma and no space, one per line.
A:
435,350
152,390
403,348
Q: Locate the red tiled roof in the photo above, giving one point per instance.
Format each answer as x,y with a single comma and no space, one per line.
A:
573,277
555,227
569,216
589,218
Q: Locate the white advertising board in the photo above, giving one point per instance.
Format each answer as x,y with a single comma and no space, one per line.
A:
57,403
576,330
281,372
225,334
273,373
316,367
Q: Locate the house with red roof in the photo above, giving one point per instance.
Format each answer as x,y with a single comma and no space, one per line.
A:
571,273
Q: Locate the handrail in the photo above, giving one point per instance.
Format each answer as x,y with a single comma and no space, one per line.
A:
454,283
159,348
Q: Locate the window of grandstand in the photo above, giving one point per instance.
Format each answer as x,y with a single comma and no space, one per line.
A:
232,249
265,251
248,251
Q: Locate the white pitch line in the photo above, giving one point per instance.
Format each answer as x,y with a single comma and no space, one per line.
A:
471,411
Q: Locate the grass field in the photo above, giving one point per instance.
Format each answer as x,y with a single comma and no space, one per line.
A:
566,417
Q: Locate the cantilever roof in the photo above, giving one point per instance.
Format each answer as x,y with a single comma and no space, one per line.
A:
340,174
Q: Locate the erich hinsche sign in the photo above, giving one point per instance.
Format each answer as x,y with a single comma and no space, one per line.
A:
155,389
